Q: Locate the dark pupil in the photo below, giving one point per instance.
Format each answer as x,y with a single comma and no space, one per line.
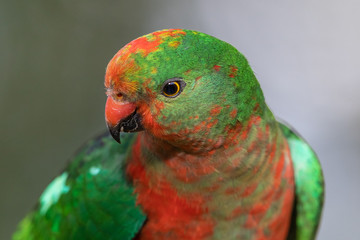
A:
170,88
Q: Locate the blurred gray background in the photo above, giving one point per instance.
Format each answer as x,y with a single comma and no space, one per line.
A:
53,56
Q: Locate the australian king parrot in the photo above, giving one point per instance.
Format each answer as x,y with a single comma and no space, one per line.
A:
201,155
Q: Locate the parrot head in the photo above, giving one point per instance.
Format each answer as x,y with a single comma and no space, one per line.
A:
183,87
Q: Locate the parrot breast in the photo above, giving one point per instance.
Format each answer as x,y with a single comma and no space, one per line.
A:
237,192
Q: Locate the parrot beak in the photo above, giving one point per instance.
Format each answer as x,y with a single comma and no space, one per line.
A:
121,117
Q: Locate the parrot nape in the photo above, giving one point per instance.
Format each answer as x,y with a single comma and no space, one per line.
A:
201,155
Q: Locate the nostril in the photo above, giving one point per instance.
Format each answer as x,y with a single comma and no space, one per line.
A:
108,92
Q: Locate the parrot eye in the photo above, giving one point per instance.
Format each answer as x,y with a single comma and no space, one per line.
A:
173,87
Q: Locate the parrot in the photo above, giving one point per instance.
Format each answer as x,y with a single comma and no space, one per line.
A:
201,155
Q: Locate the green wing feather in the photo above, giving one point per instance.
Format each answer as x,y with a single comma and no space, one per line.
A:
91,199
309,187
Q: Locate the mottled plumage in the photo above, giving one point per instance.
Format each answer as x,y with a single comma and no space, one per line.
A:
208,161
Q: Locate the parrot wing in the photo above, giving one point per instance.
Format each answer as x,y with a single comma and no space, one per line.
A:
309,187
91,199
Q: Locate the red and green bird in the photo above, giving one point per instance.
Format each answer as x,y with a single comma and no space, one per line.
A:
201,155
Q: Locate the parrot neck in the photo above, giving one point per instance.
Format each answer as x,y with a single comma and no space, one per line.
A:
245,184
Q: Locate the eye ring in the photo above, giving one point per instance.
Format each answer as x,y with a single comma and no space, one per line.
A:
173,87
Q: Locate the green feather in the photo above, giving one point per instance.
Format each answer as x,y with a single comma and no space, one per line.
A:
91,199
309,187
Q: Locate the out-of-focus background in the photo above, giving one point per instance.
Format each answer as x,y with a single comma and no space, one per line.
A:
53,56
